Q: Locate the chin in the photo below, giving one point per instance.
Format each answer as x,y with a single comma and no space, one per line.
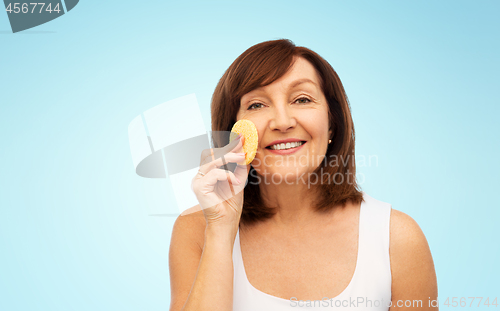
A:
284,175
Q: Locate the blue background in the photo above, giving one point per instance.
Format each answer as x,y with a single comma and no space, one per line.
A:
76,224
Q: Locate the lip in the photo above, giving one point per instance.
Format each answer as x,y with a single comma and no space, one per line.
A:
287,151
284,141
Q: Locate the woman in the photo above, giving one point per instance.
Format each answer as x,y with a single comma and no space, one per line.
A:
291,230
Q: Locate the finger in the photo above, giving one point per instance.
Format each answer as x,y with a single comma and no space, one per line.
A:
227,158
227,188
209,155
242,170
239,149
221,182
232,144
217,175
241,173
239,145
235,146
212,189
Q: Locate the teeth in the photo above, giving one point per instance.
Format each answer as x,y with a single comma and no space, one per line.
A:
286,146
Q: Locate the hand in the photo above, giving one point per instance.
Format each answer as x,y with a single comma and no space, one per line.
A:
220,192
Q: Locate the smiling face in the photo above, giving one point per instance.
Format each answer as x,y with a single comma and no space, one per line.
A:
292,109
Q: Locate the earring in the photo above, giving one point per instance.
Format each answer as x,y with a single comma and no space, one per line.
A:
329,141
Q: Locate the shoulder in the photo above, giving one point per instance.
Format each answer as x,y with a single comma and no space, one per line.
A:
189,228
412,266
406,237
404,229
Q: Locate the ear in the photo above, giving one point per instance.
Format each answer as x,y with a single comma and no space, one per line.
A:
330,133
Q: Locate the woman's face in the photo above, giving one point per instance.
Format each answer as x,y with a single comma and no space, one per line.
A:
292,109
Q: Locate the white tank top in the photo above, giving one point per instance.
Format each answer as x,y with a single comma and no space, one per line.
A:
369,288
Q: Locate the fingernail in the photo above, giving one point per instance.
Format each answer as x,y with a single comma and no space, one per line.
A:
239,182
241,154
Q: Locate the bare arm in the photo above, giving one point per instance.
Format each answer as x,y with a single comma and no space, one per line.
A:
201,266
201,249
413,274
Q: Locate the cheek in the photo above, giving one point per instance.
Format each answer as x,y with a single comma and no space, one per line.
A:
319,124
317,128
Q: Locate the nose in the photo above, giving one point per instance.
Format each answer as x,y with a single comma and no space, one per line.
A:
283,119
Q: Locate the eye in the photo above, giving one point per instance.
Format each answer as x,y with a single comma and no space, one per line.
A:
303,98
250,107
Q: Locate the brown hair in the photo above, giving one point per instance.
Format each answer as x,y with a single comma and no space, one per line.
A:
262,64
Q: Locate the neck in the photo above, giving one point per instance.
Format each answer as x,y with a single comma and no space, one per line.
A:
293,203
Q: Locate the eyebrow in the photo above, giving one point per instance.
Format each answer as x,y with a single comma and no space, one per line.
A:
299,82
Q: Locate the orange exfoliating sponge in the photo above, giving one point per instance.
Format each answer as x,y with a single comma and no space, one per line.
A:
248,130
